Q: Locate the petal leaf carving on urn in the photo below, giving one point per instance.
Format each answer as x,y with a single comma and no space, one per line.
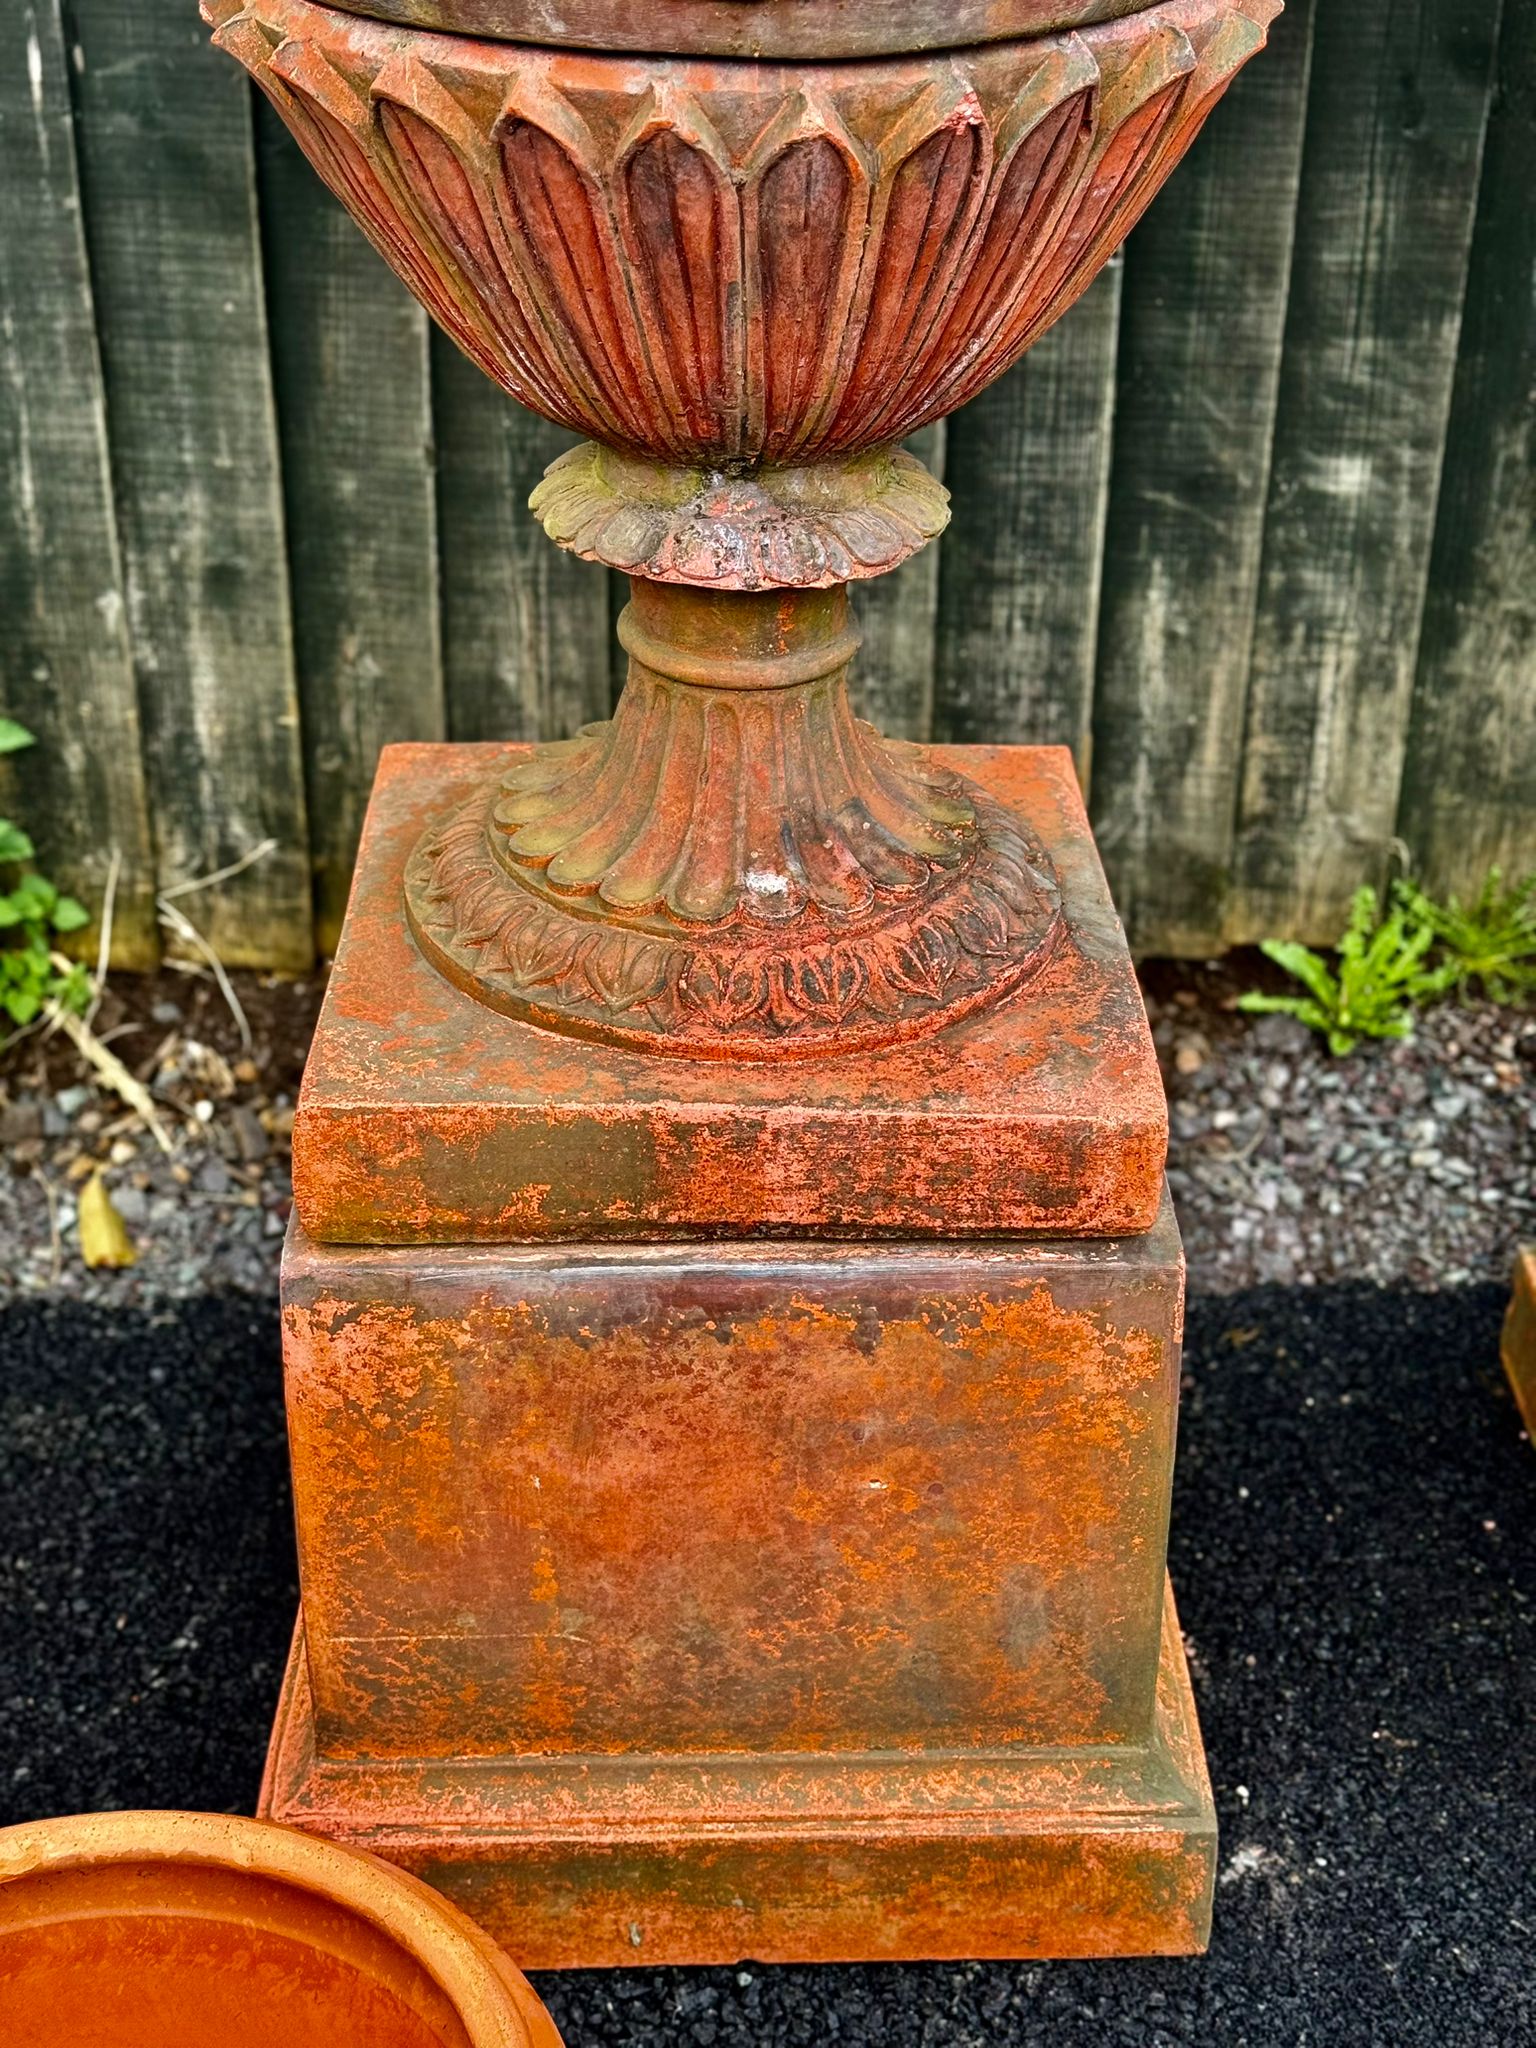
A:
441,157
332,121
559,222
1047,134
680,217
935,173
806,202
724,264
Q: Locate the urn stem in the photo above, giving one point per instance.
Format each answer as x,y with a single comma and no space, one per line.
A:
734,784
734,865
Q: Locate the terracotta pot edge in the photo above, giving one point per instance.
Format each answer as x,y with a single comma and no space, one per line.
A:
494,2002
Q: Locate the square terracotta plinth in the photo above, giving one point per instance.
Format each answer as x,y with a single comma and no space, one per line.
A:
427,1118
713,1600
1520,1338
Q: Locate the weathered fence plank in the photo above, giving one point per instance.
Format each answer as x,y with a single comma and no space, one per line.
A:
1019,572
1202,326
1469,788
354,405
526,645
65,670
167,175
1396,119
893,674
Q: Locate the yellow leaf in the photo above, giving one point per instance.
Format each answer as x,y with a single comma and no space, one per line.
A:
104,1239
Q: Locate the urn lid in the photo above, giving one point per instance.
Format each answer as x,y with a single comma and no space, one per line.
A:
795,29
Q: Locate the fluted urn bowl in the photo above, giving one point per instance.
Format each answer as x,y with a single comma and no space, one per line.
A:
745,278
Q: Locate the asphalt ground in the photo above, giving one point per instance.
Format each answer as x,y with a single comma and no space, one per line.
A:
1355,1556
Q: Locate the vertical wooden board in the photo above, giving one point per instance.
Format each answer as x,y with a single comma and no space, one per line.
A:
168,180
893,674
525,625
1396,119
1202,324
1028,465
354,408
1469,787
65,670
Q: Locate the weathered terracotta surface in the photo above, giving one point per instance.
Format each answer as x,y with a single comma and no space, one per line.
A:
425,1117
182,1930
731,1498
1520,1337
1088,1852
734,866
682,1597
749,28
728,263
783,1601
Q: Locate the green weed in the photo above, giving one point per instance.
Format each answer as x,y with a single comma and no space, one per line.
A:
33,915
1380,978
1491,941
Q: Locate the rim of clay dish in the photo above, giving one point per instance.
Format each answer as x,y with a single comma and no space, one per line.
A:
796,29
487,1993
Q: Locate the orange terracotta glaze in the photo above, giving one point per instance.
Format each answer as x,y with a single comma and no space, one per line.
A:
177,1930
1520,1338
796,1600
893,1857
731,1499
427,1118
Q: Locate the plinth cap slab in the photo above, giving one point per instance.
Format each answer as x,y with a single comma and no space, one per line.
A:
748,28
427,1119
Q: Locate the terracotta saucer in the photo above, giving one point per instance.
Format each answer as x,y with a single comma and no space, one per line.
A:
180,1930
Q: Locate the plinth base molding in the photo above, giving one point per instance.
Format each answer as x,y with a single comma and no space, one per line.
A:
607,1861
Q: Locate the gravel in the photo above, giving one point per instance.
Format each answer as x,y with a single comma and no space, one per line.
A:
1412,1163
207,1217
1355,1556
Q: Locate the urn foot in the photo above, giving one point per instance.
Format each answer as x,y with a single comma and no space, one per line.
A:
734,866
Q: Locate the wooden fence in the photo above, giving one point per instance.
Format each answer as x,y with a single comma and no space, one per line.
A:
1253,531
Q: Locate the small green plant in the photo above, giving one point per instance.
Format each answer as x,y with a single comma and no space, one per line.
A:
32,915
1380,978
1491,941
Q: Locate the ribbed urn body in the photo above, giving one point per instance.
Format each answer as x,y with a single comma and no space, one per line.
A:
731,263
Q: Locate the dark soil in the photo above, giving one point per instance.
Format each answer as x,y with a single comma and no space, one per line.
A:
1355,1556
139,1011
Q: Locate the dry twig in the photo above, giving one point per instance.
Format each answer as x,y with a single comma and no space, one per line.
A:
56,1243
104,944
114,1073
224,874
185,929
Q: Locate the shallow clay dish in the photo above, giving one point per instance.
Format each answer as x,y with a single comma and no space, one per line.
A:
184,1930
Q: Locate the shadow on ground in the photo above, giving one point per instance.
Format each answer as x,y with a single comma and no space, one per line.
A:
1355,1556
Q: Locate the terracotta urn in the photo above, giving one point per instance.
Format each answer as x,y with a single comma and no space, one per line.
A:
185,1930
732,1308
744,269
